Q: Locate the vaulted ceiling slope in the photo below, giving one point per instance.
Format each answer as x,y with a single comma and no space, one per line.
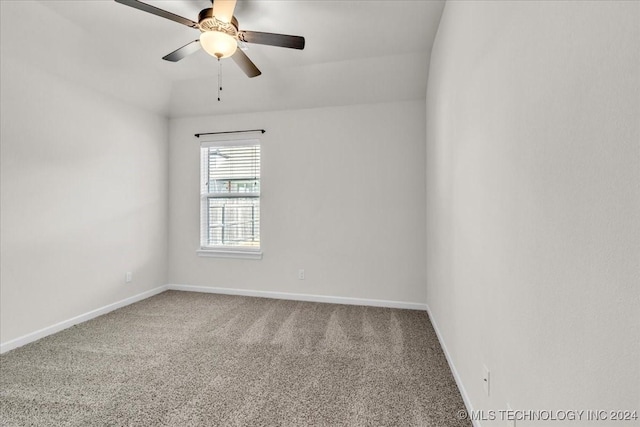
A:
356,52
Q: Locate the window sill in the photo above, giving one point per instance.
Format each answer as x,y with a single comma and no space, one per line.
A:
230,253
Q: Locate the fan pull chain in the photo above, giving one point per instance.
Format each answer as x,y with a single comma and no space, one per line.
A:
219,78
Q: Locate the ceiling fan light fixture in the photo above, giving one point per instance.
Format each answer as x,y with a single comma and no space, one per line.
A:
220,35
220,45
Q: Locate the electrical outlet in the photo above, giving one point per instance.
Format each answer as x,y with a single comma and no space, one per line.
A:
301,274
486,379
128,277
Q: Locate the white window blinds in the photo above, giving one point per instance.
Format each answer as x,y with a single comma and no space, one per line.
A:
230,195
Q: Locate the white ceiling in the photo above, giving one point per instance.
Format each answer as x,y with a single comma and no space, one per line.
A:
356,52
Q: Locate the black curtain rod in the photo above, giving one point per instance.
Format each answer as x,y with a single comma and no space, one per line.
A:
197,135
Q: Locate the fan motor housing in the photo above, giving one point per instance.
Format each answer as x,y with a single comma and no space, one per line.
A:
208,22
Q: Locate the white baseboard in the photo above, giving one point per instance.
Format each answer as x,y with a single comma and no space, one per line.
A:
454,371
33,336
300,297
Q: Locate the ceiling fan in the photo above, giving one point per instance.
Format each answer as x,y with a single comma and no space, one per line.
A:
220,34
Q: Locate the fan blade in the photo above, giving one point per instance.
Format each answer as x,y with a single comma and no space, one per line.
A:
281,40
159,12
183,52
245,64
223,9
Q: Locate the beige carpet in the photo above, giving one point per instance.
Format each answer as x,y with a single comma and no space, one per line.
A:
191,359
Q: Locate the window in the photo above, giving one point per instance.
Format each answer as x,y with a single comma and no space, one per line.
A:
230,199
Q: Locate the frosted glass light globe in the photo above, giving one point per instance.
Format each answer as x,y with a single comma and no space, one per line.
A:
218,44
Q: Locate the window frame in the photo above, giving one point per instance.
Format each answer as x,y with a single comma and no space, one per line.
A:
225,251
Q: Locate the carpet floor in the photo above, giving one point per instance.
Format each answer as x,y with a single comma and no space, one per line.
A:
192,359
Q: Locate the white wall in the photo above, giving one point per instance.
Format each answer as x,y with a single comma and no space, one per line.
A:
83,199
80,48
343,196
533,183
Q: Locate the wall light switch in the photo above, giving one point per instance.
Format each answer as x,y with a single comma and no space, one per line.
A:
128,277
